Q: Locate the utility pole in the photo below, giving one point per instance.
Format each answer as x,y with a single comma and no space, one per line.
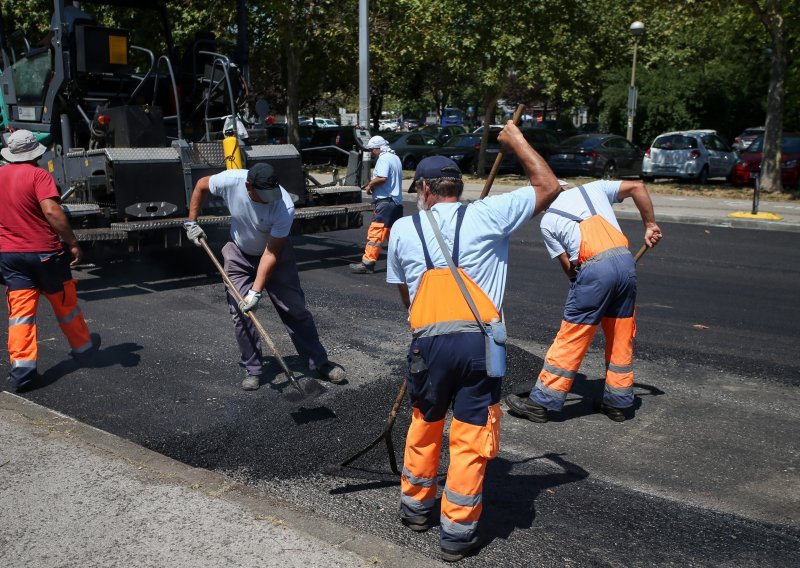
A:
363,64
636,29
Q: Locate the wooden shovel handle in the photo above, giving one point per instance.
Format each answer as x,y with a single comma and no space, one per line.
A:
496,166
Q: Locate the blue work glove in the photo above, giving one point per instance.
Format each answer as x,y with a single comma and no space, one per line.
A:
194,231
250,301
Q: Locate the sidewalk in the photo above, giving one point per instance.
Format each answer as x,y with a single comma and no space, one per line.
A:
72,495
669,208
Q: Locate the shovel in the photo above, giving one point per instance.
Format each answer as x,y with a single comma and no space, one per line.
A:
310,388
385,435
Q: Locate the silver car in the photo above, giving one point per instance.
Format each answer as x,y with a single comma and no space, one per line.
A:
692,154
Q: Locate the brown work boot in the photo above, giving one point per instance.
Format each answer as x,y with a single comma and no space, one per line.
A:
332,372
251,382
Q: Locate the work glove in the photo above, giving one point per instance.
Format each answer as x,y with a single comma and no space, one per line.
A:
194,231
250,301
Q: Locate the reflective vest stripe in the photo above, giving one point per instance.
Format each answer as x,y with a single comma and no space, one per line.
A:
621,369
608,253
418,481
559,371
445,327
461,499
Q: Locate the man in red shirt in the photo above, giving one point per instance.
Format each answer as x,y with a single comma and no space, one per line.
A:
33,259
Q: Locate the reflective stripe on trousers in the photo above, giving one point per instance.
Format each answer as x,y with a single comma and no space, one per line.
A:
563,360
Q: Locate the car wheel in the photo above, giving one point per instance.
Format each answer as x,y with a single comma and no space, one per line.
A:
610,171
409,163
702,179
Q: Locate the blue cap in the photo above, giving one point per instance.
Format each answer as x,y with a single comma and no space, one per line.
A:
437,167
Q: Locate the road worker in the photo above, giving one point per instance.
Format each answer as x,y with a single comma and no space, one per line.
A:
33,261
453,359
582,232
259,258
386,188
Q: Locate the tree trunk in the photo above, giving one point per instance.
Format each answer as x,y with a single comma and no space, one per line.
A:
489,107
293,93
774,21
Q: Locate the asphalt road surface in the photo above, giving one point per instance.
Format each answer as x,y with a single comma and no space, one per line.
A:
706,474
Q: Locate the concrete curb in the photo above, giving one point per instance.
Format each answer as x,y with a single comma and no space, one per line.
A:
160,469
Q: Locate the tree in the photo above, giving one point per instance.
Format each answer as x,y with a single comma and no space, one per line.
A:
779,18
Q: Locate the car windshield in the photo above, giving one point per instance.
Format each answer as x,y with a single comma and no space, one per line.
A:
581,141
461,140
675,142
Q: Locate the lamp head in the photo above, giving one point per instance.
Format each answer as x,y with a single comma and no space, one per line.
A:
636,29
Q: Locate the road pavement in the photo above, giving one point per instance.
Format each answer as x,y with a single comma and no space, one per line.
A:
708,473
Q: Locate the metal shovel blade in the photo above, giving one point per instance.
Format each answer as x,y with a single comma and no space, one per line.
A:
303,390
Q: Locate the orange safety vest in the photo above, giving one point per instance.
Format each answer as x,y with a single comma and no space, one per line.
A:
439,306
598,236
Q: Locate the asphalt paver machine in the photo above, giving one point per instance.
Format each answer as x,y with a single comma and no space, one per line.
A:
130,130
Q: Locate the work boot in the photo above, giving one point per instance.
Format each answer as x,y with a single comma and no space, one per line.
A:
614,413
526,408
87,355
361,268
332,372
456,555
418,523
251,382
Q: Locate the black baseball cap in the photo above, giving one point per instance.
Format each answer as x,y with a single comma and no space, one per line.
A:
264,182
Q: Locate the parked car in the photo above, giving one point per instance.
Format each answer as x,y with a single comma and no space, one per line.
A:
460,148
691,154
596,155
411,147
543,141
562,128
325,123
748,166
452,116
443,133
741,142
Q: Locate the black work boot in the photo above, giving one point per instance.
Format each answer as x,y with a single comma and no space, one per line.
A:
456,555
361,268
526,408
419,523
615,414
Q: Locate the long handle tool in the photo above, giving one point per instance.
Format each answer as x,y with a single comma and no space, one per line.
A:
640,253
385,435
310,388
499,158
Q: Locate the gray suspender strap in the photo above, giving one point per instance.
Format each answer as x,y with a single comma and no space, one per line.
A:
452,265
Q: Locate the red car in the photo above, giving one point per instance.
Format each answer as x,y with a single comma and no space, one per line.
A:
748,165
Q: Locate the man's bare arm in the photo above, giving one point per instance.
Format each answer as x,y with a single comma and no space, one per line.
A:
375,182
404,296
201,191
637,191
539,173
268,262
57,219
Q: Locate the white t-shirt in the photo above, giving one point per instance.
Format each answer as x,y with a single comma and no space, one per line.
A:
389,166
252,224
563,235
483,243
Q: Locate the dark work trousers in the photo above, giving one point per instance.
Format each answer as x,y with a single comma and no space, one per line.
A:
284,290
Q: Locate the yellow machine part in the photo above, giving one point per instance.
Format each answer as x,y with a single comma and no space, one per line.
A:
233,155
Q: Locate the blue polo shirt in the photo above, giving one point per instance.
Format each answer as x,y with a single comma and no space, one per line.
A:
483,248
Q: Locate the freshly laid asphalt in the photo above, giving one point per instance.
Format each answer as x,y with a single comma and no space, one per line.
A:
73,494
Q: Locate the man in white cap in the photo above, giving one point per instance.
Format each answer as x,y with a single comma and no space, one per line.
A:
258,258
37,248
386,188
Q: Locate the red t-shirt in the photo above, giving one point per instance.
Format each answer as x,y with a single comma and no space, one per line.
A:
23,227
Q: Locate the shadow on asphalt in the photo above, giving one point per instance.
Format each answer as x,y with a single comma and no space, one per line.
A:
511,497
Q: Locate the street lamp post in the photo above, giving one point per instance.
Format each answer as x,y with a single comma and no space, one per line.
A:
636,29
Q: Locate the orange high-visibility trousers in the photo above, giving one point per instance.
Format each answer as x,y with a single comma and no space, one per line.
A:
377,235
